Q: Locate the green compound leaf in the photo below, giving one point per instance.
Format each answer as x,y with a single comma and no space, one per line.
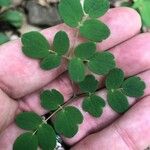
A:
93,105
50,62
35,45
89,85
28,120
133,87
26,141
114,79
46,137
71,12
5,3
3,38
101,63
96,8
94,30
13,17
76,70
117,101
66,121
51,100
61,43
85,50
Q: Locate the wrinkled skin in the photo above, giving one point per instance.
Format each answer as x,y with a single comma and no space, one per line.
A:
21,79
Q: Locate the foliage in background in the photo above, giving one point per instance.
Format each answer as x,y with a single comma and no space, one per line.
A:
84,64
143,7
10,16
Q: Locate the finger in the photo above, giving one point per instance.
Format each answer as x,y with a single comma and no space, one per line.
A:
22,75
119,32
32,102
131,131
139,53
8,136
8,110
126,54
114,18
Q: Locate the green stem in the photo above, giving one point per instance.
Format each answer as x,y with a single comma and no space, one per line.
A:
85,17
61,107
51,51
71,52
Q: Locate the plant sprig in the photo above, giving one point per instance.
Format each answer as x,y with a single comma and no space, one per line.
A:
42,134
84,62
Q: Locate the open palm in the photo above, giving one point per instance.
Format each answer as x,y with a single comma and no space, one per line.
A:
21,79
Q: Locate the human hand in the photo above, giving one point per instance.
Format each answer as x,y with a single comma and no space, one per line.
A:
21,76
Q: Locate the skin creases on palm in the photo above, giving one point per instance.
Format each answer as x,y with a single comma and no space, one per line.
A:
20,77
